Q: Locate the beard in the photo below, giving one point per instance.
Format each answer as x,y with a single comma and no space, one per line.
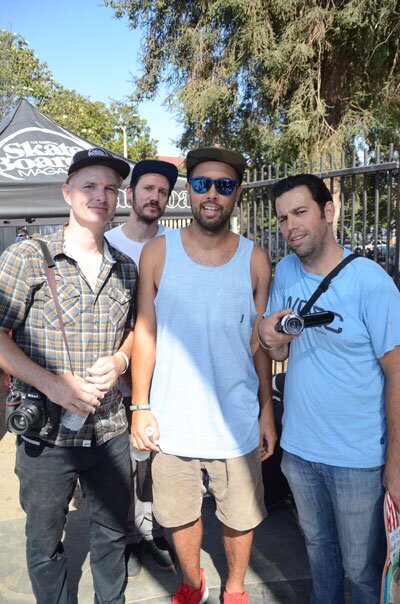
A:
212,225
312,249
141,212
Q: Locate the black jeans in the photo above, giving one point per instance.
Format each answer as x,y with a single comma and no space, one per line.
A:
48,476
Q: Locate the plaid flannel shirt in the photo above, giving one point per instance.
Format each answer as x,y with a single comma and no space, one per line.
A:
95,321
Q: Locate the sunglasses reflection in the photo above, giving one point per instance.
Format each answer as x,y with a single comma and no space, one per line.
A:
223,186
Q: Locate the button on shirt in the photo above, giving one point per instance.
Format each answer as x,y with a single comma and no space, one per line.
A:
94,320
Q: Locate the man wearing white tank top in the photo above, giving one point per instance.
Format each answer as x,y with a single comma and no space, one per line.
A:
150,186
200,379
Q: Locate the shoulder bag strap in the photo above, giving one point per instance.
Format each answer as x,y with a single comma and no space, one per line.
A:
323,286
49,270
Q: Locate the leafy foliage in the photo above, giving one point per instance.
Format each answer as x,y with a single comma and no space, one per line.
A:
124,114
21,74
278,80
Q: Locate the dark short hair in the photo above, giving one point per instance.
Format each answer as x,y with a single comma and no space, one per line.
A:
318,189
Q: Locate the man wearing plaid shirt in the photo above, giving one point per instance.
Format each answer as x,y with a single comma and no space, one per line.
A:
95,287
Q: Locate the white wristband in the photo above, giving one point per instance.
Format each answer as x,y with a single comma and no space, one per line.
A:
124,356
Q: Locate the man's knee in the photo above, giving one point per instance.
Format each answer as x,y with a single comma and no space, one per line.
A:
363,568
228,531
45,549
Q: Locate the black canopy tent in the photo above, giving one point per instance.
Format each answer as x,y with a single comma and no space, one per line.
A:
35,153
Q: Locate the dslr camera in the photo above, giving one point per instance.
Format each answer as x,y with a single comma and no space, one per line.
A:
293,324
30,412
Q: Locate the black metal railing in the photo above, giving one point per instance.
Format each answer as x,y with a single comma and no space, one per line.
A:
366,195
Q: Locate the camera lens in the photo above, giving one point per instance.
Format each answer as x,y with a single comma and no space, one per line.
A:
17,423
294,325
23,418
291,324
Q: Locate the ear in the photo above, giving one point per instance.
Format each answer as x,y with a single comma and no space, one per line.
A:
65,192
329,212
238,193
187,186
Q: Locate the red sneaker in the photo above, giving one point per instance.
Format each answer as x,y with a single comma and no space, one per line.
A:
236,598
186,594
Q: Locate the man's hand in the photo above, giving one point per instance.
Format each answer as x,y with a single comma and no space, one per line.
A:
391,481
106,371
74,393
268,437
268,334
141,420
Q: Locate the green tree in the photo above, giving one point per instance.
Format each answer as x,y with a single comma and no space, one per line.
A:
89,119
21,74
124,115
100,124
276,79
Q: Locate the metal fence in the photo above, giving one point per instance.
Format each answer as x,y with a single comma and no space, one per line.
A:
367,200
366,192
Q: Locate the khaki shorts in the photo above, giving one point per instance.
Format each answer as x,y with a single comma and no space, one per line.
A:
236,484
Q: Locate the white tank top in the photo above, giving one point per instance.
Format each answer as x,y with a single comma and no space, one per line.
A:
204,391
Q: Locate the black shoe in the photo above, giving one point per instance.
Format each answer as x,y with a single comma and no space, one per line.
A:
161,552
133,559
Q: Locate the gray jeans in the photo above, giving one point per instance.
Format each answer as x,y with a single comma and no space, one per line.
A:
48,476
141,522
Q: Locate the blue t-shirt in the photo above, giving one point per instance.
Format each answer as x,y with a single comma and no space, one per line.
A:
334,388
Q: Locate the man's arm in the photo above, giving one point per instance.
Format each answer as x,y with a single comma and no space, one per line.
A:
66,390
261,278
390,363
275,343
144,342
107,370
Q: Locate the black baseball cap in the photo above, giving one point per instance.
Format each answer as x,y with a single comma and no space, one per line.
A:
155,166
97,156
232,158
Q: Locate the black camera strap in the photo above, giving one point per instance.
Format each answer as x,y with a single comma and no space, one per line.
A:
323,286
49,270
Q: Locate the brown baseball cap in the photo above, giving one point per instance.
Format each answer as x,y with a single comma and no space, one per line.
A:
232,158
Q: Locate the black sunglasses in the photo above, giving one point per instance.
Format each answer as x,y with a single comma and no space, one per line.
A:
202,184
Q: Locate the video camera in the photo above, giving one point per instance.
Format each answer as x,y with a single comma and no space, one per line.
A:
294,324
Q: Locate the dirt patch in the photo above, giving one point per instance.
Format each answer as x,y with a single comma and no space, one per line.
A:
9,502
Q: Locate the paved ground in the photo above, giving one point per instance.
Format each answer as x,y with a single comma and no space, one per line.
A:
278,571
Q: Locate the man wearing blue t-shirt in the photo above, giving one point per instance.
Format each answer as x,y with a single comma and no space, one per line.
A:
341,426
